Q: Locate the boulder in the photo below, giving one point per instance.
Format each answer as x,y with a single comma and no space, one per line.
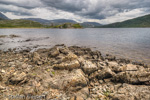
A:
17,78
35,57
115,67
105,73
69,81
54,52
88,67
69,57
133,77
131,67
102,74
110,57
67,65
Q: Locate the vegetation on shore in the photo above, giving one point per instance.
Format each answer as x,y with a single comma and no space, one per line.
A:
67,25
20,23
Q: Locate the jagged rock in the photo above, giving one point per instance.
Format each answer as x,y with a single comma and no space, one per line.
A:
83,75
131,92
88,67
35,57
79,98
115,67
64,50
54,52
131,67
69,81
133,77
2,88
102,74
68,65
69,57
105,73
17,78
84,93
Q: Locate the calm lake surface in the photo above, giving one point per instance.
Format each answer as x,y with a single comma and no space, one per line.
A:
131,43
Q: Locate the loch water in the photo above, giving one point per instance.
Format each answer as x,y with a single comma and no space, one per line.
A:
130,43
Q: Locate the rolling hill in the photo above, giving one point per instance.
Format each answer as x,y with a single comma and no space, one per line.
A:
143,21
90,24
19,23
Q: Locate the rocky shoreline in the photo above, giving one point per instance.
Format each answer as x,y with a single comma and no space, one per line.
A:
71,73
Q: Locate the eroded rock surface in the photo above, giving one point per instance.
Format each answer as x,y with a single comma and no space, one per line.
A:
71,73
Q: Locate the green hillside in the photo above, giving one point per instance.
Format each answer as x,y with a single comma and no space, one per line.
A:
143,21
19,23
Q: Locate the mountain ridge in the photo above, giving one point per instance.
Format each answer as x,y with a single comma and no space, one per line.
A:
2,16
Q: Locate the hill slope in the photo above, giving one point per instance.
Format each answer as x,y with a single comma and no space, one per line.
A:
19,23
2,16
143,21
63,21
90,24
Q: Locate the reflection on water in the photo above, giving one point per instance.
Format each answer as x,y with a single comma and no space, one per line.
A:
132,43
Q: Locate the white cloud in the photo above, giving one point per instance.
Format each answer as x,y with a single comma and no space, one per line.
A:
103,11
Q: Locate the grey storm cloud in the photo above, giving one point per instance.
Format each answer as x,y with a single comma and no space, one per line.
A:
97,9
94,9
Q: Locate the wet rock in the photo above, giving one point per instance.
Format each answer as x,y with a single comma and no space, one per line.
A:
13,36
64,50
110,57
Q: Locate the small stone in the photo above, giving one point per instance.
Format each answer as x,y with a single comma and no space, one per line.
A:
101,81
2,88
72,98
96,84
79,98
1,78
3,71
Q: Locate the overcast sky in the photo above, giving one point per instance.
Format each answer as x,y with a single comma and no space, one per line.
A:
102,11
